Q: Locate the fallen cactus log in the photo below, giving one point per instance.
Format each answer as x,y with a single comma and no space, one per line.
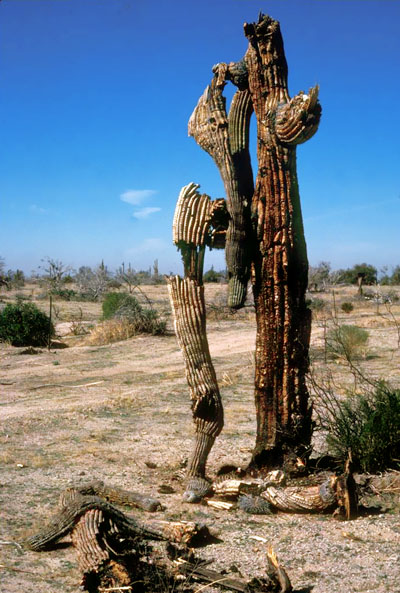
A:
337,494
114,553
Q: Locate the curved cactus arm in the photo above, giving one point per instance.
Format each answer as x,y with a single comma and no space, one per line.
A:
226,139
192,216
187,299
198,222
297,121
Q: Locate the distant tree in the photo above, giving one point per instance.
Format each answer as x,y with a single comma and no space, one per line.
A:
319,276
384,277
93,283
54,273
3,279
144,276
211,275
15,279
395,277
368,273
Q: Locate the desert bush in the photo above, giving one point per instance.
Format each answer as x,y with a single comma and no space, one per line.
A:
318,276
125,307
20,296
66,294
347,307
142,320
113,301
212,276
348,341
379,297
392,296
109,331
367,424
114,283
23,324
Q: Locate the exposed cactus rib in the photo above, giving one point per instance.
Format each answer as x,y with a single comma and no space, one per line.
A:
299,500
192,217
297,120
89,540
187,299
239,120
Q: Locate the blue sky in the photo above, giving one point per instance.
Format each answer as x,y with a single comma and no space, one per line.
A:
95,96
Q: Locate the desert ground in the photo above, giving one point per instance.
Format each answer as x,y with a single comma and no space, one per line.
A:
120,412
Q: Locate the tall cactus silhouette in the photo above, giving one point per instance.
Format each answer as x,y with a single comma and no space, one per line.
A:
264,240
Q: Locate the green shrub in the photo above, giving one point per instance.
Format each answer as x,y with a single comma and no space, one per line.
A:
126,307
367,424
347,307
351,275
113,301
66,294
213,276
23,324
348,341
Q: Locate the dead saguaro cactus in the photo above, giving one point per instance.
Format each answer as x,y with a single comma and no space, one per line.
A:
280,265
264,238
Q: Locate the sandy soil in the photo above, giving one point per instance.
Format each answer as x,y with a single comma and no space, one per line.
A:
106,411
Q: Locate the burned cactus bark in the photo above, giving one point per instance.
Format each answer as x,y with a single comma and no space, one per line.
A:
280,265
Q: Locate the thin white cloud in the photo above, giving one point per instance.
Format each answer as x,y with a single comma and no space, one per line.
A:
37,209
137,196
145,212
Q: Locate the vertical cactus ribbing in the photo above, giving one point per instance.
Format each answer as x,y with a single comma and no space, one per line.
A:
226,139
280,259
196,216
187,298
265,235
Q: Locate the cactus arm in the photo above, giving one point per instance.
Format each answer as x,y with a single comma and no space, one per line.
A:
225,138
297,121
195,220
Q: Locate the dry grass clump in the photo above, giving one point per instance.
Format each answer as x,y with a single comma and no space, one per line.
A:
112,330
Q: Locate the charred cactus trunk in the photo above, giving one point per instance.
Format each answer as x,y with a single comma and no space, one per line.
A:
280,265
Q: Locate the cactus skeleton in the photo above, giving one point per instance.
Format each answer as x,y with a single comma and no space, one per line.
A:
264,239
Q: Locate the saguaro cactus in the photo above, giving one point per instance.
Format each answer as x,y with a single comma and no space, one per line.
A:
264,236
280,265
